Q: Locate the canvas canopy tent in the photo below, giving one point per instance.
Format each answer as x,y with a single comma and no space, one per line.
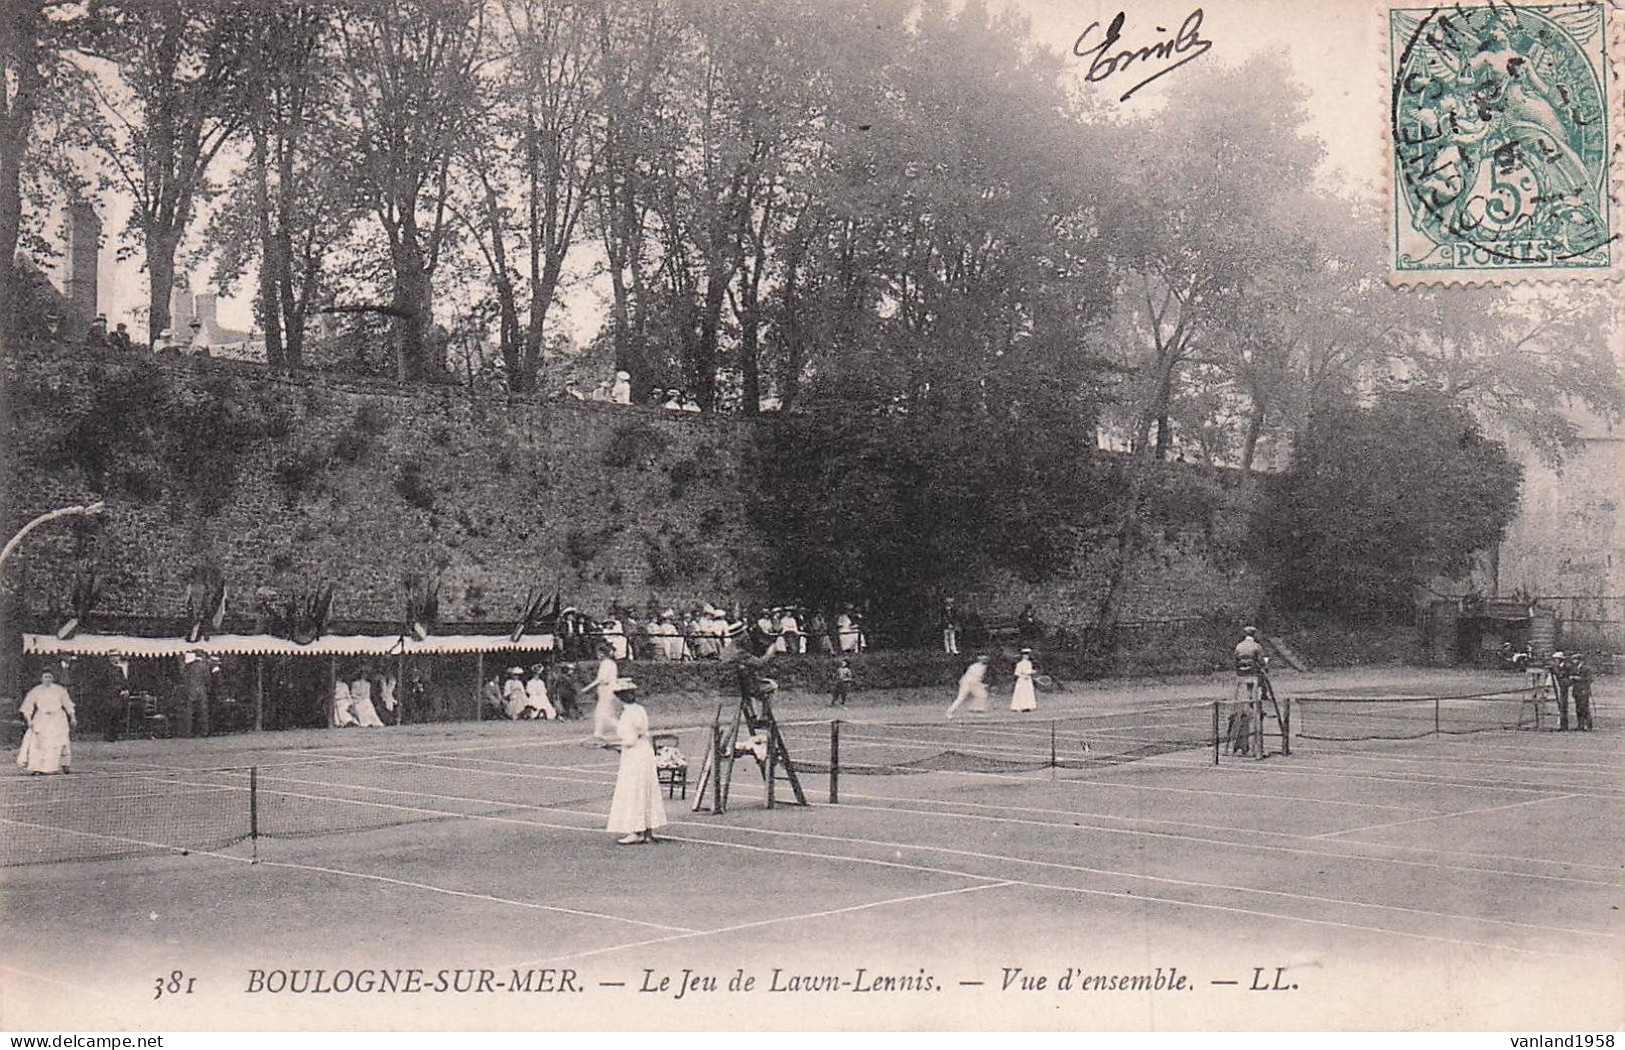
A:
298,696
271,645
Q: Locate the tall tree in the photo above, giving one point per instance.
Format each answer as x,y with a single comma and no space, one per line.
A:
411,70
293,202
173,101
1382,498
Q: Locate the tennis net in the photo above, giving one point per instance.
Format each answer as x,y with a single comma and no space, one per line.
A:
1347,719
109,816
1001,744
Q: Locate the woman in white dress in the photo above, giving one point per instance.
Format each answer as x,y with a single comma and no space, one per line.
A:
366,715
636,808
1024,699
343,705
48,710
606,712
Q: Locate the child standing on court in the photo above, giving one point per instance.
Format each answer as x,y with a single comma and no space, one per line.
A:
843,683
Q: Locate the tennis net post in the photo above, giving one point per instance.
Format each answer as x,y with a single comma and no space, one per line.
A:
834,761
1216,704
254,810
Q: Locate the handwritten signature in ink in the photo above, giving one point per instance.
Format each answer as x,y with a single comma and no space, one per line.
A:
1109,58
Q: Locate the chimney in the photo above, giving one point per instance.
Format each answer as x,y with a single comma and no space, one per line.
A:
84,247
181,310
205,303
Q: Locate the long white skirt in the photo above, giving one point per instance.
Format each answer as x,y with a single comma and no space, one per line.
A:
1024,699
637,805
46,747
365,714
606,716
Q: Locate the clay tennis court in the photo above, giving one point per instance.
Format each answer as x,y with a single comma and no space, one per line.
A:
1445,881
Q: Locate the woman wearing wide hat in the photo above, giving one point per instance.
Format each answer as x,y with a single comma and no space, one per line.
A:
1024,699
636,808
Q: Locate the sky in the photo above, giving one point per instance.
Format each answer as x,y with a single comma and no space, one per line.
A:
1335,49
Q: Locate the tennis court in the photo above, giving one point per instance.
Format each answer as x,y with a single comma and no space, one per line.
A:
1388,873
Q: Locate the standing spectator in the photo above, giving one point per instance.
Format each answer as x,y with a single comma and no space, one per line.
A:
950,627
47,744
819,629
1027,624
1023,698
192,707
972,687
791,640
848,633
843,683
620,391
1559,668
606,712
636,809
564,692
1580,686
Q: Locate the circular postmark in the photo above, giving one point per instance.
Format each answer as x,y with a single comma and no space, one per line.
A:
1500,137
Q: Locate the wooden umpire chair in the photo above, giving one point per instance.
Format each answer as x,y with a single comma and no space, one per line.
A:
673,778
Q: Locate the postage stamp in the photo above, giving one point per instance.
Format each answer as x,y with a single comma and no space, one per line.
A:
1501,145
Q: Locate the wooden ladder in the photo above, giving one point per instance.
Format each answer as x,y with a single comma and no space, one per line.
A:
775,763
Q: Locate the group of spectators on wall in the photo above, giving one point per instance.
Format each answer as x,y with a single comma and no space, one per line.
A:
709,632
618,391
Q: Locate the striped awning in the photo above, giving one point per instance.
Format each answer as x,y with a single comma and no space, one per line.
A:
271,645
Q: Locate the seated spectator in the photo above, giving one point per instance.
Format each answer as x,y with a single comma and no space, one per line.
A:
537,704
690,404
674,401
514,697
120,339
343,705
491,698
164,343
620,391
366,715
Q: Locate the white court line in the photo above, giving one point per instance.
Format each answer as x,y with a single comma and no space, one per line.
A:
447,891
1254,767
1229,844
912,898
945,849
1432,756
1004,807
1137,898
1443,816
1007,858
470,896
165,846
101,799
1259,846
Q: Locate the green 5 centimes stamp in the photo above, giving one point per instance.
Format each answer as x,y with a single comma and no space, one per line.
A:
1501,144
